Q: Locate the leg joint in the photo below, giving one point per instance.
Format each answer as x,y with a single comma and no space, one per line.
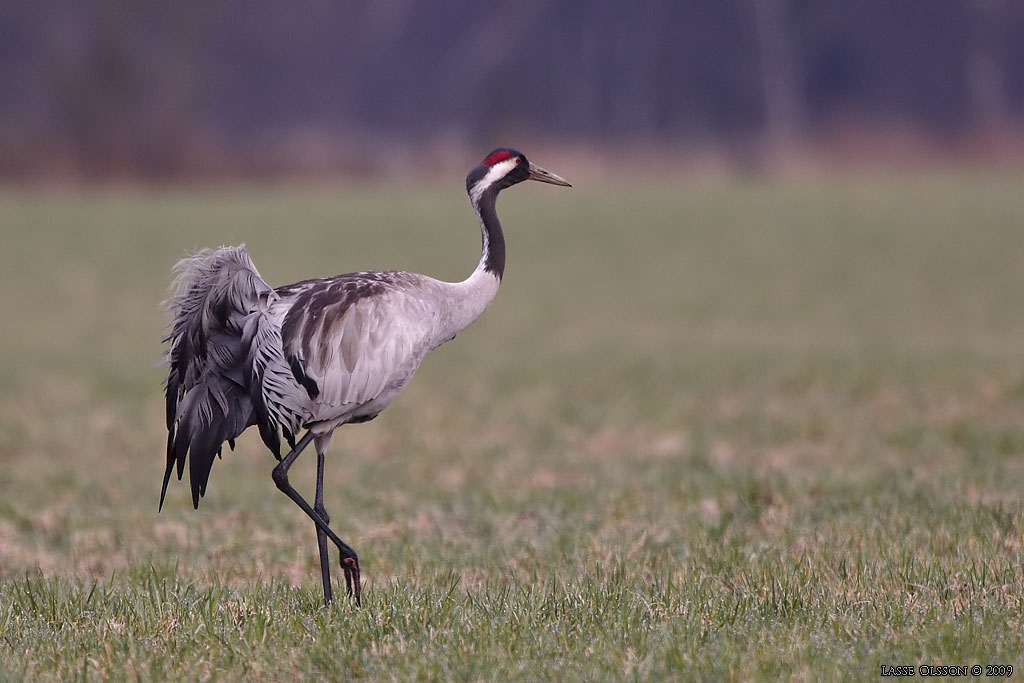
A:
280,475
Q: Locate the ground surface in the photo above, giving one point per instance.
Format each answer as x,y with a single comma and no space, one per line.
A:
708,430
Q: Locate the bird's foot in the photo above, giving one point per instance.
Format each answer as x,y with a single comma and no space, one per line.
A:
350,566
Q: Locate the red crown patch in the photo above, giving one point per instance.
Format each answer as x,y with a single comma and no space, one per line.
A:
497,156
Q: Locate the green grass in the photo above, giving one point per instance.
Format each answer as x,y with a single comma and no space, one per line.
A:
721,430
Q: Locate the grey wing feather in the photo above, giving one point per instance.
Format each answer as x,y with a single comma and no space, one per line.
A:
358,338
219,325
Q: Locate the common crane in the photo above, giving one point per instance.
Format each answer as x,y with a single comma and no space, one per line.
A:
313,355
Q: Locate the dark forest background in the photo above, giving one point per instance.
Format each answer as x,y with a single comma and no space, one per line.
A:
103,88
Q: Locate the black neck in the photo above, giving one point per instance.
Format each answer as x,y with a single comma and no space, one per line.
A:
493,239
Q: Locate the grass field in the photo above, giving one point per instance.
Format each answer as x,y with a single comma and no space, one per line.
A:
730,429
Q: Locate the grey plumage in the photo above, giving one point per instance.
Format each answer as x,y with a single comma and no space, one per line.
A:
317,353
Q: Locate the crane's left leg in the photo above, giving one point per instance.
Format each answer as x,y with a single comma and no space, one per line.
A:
321,537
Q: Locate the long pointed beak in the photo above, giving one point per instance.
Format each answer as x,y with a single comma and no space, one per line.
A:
544,176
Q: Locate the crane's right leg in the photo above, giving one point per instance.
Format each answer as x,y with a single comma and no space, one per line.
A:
349,559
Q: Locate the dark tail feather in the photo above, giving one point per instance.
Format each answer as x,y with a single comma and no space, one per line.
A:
218,306
203,426
170,464
214,412
266,424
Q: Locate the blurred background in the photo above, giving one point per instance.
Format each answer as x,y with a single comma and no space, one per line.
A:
117,88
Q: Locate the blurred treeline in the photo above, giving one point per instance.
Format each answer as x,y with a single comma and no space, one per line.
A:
98,88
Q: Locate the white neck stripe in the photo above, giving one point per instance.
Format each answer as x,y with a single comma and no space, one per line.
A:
496,172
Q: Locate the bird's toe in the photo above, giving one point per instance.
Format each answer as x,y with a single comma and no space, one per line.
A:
353,585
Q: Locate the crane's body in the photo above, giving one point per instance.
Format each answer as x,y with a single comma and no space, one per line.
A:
360,337
315,354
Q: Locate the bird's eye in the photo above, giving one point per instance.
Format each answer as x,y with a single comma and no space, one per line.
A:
519,160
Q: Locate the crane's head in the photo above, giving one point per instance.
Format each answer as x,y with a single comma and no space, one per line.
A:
504,168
